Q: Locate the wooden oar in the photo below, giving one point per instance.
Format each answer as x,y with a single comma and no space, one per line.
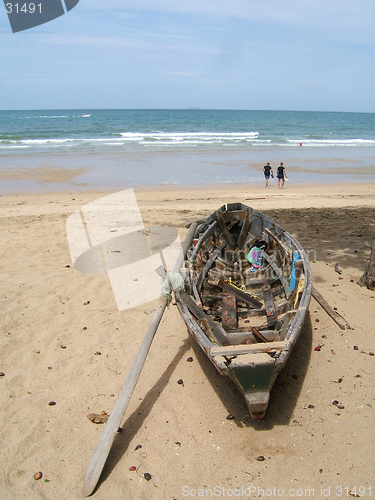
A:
107,437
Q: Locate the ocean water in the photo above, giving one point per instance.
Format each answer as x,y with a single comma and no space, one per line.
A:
192,146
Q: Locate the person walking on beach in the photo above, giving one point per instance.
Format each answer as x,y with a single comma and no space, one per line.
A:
267,169
281,175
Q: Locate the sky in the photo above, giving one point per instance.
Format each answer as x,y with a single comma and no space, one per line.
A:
316,55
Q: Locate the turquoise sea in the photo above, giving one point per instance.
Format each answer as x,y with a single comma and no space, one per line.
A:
192,146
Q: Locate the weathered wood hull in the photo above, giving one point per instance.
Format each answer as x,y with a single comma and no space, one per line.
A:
245,314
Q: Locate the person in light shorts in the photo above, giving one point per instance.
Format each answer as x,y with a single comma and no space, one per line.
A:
281,175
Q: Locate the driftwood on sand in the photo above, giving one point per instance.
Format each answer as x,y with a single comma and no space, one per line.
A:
368,277
339,320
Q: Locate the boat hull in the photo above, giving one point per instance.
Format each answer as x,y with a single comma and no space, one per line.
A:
245,314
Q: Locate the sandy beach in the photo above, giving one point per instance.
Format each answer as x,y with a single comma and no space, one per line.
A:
63,341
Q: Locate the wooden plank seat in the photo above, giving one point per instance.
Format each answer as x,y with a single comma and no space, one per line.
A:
235,350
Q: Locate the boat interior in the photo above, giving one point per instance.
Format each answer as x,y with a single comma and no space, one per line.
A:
237,302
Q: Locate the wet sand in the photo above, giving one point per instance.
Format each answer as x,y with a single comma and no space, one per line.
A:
114,170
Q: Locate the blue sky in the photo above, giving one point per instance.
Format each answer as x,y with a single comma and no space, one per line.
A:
219,54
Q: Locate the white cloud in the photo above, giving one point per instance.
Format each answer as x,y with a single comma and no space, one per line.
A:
319,13
331,20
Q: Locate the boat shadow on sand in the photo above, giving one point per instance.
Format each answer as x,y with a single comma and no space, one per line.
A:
283,400
284,394
136,420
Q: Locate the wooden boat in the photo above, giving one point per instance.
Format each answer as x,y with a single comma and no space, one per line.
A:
248,285
244,296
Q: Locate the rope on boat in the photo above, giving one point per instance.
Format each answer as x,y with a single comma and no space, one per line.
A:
174,282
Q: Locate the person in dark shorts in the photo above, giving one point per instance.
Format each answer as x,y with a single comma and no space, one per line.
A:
267,169
281,175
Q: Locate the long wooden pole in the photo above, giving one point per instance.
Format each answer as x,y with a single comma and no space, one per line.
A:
107,437
339,320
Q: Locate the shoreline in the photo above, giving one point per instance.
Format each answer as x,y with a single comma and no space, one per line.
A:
175,168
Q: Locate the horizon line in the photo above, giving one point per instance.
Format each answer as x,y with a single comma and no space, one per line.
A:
189,109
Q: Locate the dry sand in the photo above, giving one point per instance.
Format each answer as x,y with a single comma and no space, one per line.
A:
63,340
